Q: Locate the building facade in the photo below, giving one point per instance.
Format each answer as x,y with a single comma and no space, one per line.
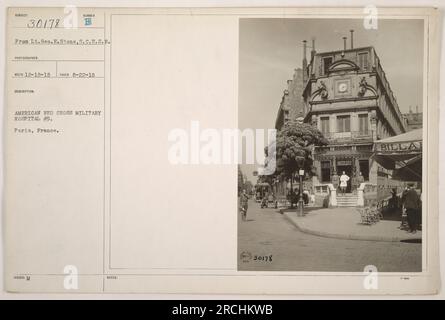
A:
292,103
346,95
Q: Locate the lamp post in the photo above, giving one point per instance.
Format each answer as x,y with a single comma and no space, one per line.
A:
300,200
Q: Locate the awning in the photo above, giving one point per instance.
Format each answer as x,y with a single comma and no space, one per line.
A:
412,171
402,153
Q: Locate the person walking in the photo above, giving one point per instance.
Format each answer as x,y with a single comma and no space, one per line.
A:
244,199
404,222
344,178
411,202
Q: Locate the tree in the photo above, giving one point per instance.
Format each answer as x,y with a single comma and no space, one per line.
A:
294,145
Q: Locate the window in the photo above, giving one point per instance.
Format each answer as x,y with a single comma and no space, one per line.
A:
324,124
343,123
363,60
363,123
326,64
364,169
325,171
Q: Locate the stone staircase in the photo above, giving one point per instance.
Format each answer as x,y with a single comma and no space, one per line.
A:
348,200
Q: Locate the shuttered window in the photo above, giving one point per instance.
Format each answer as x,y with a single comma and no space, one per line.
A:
343,123
326,64
363,123
363,60
324,124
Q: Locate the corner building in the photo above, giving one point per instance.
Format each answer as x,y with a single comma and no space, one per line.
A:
346,95
348,98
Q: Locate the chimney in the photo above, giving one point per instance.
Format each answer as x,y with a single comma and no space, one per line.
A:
313,49
417,109
352,38
344,43
304,61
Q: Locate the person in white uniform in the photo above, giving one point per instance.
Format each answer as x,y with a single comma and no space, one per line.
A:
344,178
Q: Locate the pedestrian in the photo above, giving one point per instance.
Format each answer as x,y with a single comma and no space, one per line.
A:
419,213
394,200
335,180
411,202
360,179
344,178
404,222
258,195
271,197
306,197
244,204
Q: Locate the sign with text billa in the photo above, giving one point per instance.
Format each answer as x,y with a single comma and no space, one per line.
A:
400,146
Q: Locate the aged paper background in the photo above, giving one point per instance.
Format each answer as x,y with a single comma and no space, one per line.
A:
213,228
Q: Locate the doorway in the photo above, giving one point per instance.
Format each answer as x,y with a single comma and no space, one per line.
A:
364,169
345,166
326,171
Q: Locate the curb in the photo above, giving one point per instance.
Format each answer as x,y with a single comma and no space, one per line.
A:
345,236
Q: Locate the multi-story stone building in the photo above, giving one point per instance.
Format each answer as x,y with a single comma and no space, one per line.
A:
292,103
414,120
349,99
347,96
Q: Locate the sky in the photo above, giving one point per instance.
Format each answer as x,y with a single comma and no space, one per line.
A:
270,50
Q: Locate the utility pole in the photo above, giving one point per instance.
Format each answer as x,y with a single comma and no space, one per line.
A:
300,200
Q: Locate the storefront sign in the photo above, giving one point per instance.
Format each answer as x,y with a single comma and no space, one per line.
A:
344,162
400,146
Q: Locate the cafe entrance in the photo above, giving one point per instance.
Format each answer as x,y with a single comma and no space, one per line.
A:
345,166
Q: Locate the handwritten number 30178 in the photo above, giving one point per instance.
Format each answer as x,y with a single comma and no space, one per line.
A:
263,258
44,24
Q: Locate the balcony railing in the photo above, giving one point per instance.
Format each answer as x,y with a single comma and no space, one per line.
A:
348,136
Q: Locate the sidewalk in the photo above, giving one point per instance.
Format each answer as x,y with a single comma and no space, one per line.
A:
344,223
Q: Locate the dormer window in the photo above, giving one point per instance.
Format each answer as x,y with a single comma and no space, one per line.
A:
326,64
363,60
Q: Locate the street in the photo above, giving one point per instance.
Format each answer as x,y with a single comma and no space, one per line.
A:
268,241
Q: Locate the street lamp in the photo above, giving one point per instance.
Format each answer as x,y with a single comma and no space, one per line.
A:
300,200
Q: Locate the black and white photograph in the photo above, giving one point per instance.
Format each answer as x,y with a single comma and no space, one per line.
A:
345,98
264,151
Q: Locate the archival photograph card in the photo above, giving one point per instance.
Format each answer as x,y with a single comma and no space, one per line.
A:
229,150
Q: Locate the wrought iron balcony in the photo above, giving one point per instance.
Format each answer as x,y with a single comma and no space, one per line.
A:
350,136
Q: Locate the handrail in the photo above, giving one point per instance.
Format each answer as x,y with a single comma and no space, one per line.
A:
332,195
330,191
362,189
